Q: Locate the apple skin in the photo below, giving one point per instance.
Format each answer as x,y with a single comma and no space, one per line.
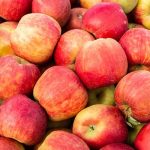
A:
26,122
75,20
10,144
69,45
58,9
100,63
60,93
99,125
89,3
13,10
142,139
64,140
6,28
132,95
117,146
17,76
35,37
97,20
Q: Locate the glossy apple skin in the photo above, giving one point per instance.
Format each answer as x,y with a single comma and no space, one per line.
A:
88,3
17,76
10,144
6,29
64,140
13,10
99,125
132,95
117,146
60,93
101,63
69,46
26,122
142,139
98,20
35,37
58,9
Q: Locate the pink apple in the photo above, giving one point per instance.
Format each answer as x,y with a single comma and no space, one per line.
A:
35,37
60,93
69,45
106,20
89,3
99,125
101,63
132,95
17,76
23,120
58,9
13,10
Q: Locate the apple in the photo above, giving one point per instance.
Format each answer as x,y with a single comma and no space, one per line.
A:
89,3
6,28
142,139
10,144
141,13
35,37
58,9
117,146
13,10
60,93
104,95
101,63
62,140
99,20
17,76
69,45
23,120
99,125
132,95
75,20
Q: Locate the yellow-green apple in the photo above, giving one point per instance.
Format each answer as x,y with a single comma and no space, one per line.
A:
13,10
134,25
75,20
132,96
58,9
136,43
142,139
69,45
23,120
62,140
60,93
89,3
104,95
17,76
10,144
99,20
6,29
99,125
141,13
117,146
101,62
35,37
127,5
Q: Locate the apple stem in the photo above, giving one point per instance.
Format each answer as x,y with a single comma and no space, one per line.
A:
132,122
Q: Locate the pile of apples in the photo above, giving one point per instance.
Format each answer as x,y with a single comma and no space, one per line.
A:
74,74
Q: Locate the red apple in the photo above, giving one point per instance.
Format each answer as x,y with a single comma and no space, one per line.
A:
13,10
62,140
142,139
17,76
6,29
99,125
35,37
101,63
10,144
60,93
89,3
69,45
58,9
132,95
106,20
23,120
